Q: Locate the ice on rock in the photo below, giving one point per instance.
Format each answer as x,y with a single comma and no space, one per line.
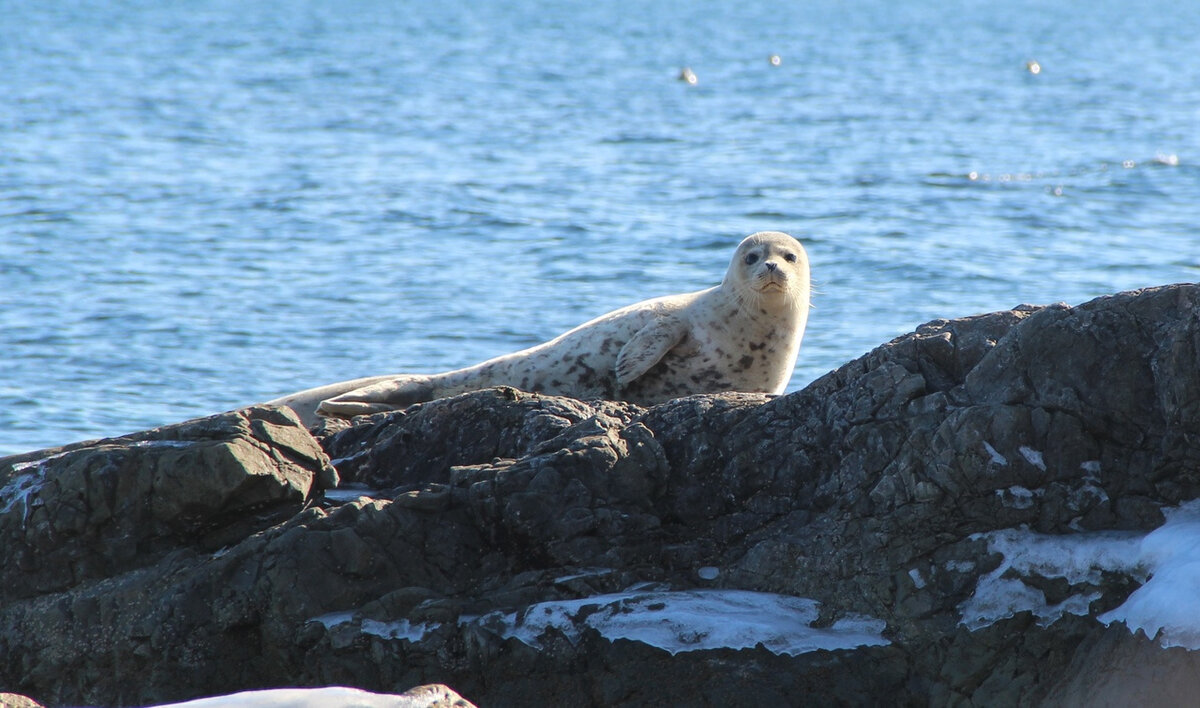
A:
1166,606
693,620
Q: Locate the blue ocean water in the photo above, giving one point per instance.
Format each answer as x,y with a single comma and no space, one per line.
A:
212,203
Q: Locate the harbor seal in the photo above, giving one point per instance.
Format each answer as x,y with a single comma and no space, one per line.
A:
742,335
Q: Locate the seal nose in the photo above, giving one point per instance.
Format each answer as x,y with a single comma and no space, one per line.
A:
771,265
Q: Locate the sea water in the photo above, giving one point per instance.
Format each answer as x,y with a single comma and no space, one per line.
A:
212,203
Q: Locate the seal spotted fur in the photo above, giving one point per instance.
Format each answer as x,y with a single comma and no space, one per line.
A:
742,335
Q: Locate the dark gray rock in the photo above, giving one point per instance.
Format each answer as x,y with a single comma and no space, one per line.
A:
419,445
518,547
98,509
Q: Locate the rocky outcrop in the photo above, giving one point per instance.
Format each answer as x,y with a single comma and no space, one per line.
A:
974,513
93,511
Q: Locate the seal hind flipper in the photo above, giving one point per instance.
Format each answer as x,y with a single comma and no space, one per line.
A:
647,347
390,395
349,409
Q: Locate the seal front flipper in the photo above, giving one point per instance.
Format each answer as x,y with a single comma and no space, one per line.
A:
647,347
390,395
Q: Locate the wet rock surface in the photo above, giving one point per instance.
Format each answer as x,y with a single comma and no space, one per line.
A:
872,538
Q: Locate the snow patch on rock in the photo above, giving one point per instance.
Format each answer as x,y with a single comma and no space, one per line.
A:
1166,560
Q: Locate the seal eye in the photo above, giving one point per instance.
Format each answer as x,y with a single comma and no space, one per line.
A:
790,257
751,258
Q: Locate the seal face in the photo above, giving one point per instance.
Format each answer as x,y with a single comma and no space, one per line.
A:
742,335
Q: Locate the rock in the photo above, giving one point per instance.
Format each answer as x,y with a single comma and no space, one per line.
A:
13,700
1119,668
94,510
943,520
408,446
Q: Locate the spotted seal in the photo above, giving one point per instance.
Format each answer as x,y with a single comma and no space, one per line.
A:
742,335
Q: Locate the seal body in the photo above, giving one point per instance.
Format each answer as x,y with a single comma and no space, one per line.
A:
742,335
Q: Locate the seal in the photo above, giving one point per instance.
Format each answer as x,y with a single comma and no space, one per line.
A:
742,335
